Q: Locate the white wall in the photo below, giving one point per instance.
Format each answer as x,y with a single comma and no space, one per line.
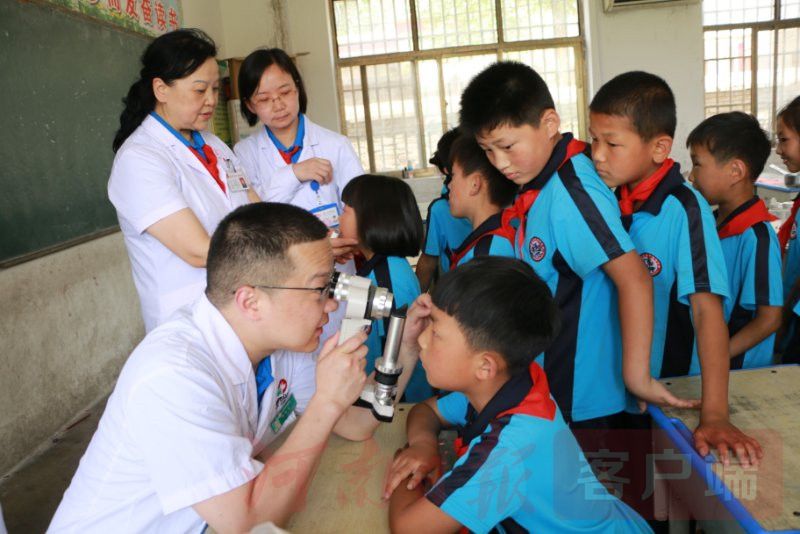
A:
309,30
206,15
667,41
68,322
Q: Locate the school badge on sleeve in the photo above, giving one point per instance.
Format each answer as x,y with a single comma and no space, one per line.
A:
537,249
652,263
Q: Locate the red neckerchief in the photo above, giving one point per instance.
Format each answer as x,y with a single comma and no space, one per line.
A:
748,214
522,205
642,192
287,154
209,161
785,231
494,228
536,403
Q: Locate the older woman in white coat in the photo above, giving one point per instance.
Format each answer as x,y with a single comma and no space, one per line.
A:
171,183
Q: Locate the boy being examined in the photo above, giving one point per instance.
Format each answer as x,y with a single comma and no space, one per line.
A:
443,232
728,152
632,123
520,468
478,193
568,229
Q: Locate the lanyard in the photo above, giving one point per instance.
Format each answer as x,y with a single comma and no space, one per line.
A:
196,146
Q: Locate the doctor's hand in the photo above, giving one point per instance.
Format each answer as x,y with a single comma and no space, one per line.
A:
317,169
340,371
343,248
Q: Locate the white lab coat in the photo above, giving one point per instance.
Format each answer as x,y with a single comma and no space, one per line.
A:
155,175
181,426
274,180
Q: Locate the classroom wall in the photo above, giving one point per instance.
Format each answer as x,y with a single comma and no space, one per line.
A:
667,41
67,324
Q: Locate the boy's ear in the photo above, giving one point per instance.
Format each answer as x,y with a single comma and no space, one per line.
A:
550,121
661,146
490,365
475,184
738,170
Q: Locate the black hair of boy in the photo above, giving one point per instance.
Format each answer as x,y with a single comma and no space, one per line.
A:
387,215
790,114
644,98
472,159
251,245
733,135
253,68
501,305
505,93
441,158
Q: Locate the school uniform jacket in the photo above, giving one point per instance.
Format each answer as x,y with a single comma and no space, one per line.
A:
675,234
444,233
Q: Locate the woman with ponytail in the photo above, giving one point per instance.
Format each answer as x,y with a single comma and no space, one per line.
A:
172,182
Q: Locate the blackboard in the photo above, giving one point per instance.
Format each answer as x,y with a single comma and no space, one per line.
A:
62,78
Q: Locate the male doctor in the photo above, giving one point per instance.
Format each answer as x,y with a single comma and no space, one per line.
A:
178,444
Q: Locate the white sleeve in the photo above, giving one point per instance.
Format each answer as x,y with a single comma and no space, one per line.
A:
193,448
144,187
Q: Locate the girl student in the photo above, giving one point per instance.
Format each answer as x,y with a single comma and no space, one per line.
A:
171,182
291,159
382,214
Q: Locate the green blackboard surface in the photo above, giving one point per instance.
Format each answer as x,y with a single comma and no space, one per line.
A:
62,78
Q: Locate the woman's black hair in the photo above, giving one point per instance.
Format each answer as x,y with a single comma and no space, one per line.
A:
790,114
253,68
387,215
169,57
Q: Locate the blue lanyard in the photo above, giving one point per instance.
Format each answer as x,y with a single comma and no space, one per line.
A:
298,139
197,141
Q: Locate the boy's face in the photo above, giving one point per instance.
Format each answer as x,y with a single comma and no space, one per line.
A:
788,146
710,178
619,153
521,152
446,355
460,187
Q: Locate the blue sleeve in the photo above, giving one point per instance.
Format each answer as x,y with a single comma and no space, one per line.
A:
453,408
501,247
405,284
486,485
433,238
700,262
586,219
761,283
791,270
796,309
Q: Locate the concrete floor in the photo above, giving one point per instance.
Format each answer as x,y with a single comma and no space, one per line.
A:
31,494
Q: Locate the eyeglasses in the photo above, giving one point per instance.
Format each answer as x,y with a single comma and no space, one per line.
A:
324,291
282,97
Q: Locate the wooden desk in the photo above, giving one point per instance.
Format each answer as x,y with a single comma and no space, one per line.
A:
765,403
345,495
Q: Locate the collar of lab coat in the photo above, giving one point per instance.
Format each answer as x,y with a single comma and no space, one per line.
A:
174,144
310,139
223,342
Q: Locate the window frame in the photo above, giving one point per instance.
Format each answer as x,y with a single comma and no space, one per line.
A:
415,55
774,25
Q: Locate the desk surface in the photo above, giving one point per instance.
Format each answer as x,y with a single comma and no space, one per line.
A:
345,495
765,403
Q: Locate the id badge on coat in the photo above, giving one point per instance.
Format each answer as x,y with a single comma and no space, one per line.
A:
328,214
235,178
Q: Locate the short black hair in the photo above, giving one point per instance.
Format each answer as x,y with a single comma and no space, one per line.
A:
253,68
506,92
471,158
501,305
441,158
387,215
790,114
733,135
251,244
644,98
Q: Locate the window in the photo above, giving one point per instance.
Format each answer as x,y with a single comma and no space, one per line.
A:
752,56
402,65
